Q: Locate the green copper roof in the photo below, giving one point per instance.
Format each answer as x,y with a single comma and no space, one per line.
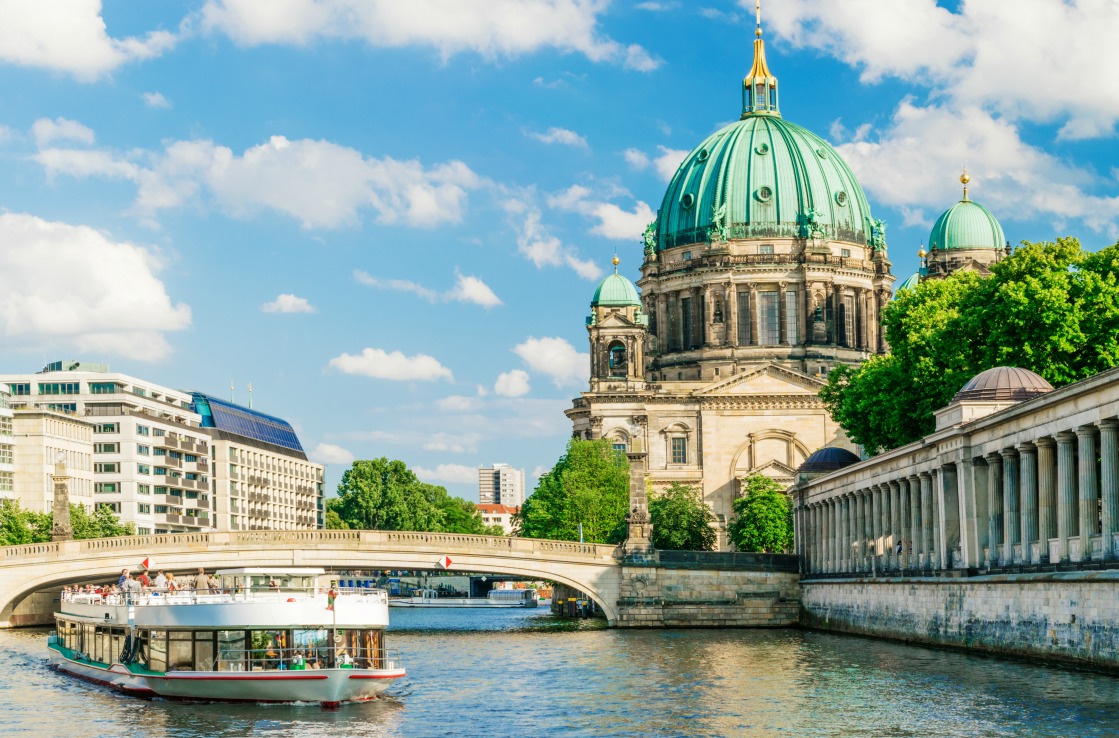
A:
912,281
764,177
615,291
967,225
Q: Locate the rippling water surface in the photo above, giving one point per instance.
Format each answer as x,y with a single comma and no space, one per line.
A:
521,673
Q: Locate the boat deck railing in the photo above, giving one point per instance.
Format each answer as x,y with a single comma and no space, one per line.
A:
309,658
155,597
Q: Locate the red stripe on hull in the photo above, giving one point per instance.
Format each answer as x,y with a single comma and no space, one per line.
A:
377,676
262,678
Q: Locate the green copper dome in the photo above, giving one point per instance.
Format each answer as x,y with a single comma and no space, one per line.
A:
615,291
967,225
764,177
911,282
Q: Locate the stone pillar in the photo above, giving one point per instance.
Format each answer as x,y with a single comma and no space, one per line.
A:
994,508
708,316
895,523
903,523
1009,504
844,549
1109,485
1066,492
915,521
948,513
927,519
639,542
1027,506
939,543
969,515
813,540
1046,495
876,527
860,530
754,315
782,315
1089,489
730,310
61,529
663,328
837,504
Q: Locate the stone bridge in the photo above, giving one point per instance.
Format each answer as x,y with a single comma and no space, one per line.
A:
33,568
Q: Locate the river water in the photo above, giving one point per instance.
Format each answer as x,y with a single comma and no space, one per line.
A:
523,673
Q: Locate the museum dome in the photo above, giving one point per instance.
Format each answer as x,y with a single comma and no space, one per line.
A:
967,225
910,282
828,459
615,291
1003,383
763,177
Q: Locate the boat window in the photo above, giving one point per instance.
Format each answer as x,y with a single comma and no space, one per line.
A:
231,650
116,645
204,650
157,650
180,650
268,649
102,645
312,647
364,649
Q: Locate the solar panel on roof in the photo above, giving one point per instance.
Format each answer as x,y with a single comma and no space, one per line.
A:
226,416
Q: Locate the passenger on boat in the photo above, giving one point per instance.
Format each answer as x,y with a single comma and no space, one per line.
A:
160,581
143,579
172,585
273,585
124,574
202,582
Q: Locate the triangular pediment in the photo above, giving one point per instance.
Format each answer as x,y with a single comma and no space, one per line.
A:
774,468
767,379
616,320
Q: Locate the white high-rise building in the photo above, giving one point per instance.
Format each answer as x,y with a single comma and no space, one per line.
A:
501,484
7,465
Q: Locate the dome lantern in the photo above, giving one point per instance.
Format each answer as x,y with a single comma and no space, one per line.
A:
759,88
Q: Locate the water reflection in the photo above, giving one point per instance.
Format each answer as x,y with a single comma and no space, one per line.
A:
516,673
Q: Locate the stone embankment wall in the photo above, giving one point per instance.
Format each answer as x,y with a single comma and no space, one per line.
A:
1062,616
677,589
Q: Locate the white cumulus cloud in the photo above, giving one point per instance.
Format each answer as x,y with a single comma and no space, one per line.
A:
45,130
319,183
155,100
555,358
614,222
560,136
73,283
512,383
381,364
473,290
288,303
664,163
491,28
467,289
449,473
328,453
70,37
537,243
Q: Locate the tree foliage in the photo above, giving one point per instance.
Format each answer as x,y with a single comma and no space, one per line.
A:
588,485
763,517
19,526
1050,307
681,520
383,494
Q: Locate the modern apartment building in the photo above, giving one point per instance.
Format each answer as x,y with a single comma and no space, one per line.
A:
260,473
501,484
7,466
150,455
42,438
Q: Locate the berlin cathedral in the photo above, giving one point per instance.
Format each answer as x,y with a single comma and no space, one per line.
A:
763,270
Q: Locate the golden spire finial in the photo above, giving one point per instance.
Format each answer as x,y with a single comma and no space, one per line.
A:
616,261
758,13
759,88
964,179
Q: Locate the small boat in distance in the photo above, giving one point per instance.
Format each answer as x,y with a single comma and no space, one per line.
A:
256,635
495,598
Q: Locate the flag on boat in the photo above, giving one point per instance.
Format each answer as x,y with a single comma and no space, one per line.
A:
445,562
146,563
330,595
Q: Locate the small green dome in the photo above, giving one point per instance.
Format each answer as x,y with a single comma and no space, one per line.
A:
615,291
911,282
764,177
967,225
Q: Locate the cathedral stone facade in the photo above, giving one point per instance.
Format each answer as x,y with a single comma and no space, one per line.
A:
763,270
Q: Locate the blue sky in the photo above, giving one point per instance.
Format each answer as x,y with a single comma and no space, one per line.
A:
389,217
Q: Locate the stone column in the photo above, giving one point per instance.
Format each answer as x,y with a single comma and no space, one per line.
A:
915,521
730,311
782,315
948,509
708,316
1089,489
1027,506
754,315
860,530
902,524
1066,492
838,503
994,508
1109,485
938,519
1046,495
895,523
876,527
663,328
844,533
926,519
813,565
1009,504
969,515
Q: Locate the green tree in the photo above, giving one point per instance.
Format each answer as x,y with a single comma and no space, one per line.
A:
681,520
763,517
589,485
333,519
459,515
1050,307
380,494
101,523
19,526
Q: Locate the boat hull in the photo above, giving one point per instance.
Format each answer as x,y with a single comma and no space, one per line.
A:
325,686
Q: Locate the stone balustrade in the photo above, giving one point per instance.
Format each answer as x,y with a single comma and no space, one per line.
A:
999,485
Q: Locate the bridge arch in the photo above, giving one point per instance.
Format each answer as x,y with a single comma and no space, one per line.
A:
590,568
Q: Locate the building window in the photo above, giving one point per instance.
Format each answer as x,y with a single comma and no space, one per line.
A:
109,468
139,392
143,489
59,388
744,318
768,318
21,388
106,448
679,450
143,508
143,430
190,458
160,452
62,407
143,450
161,490
688,321
107,428
791,318
102,388
143,469
619,363
160,471
161,509
848,320
106,488
143,531
159,432
686,256
765,248
619,447
846,253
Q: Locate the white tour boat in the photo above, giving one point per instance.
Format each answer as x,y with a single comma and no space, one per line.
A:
495,598
260,635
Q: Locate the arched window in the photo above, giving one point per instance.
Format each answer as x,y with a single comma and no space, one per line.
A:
619,360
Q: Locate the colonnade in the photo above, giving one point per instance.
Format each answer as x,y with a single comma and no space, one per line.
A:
1051,500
